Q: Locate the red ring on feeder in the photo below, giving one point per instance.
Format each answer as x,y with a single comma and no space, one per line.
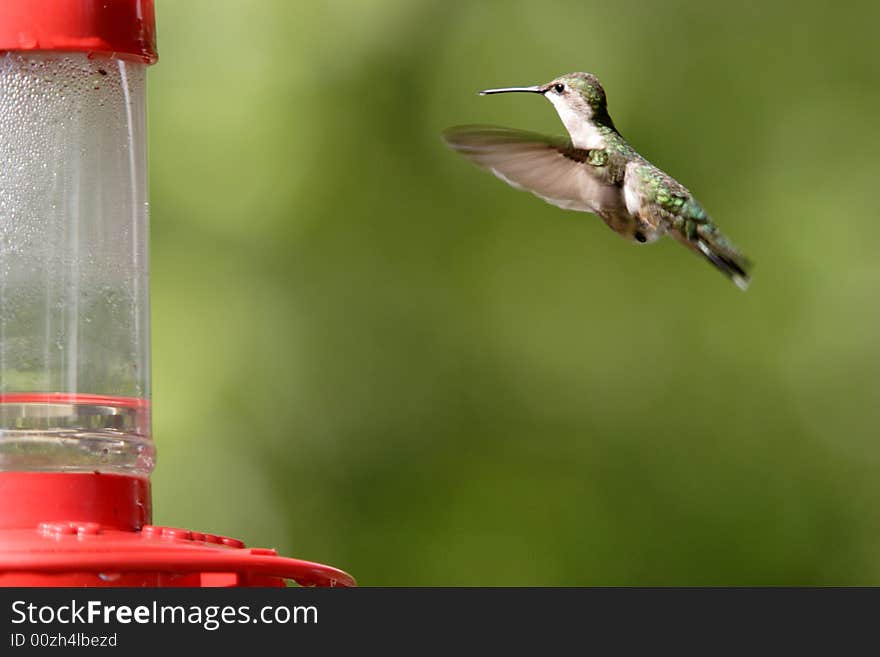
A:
71,398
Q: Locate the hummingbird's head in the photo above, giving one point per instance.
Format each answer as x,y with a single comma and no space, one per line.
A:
577,92
577,97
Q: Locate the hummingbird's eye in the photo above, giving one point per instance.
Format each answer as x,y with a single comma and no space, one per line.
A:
559,87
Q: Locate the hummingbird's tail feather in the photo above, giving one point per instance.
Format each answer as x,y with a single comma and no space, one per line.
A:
717,249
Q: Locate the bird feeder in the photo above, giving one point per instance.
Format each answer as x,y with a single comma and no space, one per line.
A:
76,450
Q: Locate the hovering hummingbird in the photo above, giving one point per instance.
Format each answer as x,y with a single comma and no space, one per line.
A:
596,170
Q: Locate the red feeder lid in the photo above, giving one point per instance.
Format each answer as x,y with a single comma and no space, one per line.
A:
125,29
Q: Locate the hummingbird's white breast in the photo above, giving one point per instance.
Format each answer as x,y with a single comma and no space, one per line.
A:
581,130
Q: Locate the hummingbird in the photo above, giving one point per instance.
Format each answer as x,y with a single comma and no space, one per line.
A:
596,170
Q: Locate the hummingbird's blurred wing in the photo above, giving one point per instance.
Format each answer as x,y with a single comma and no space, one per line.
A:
549,167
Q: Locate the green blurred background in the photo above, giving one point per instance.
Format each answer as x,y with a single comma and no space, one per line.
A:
368,352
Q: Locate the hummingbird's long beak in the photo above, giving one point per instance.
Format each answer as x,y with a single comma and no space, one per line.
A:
505,90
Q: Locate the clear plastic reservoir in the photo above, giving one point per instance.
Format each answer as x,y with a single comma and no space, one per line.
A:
74,293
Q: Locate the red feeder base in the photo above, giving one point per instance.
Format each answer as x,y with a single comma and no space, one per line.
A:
66,529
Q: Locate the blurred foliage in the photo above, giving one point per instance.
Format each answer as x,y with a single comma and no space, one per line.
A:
369,353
